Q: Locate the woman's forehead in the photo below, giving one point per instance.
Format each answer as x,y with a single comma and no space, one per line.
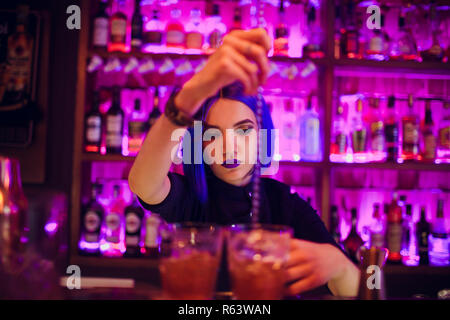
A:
226,112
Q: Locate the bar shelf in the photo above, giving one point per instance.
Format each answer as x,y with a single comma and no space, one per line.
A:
392,65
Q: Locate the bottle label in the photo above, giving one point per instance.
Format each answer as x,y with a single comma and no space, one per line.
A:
100,38
281,45
377,240
341,143
133,222
215,38
175,38
113,221
376,44
444,137
153,37
118,31
194,40
94,130
377,137
359,140
114,131
151,235
394,237
136,128
132,241
312,136
430,146
91,237
352,43
91,221
423,241
410,132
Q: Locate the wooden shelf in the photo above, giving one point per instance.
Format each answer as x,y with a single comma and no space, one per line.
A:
395,166
393,65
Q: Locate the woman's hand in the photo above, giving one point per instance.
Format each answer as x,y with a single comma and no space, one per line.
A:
241,57
311,265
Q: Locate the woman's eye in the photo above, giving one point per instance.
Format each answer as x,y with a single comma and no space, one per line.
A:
244,131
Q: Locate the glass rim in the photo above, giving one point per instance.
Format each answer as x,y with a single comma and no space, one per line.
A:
200,226
261,226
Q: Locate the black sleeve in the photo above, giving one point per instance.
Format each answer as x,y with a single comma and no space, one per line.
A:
175,205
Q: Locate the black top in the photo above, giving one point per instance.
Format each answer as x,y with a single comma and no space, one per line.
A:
229,204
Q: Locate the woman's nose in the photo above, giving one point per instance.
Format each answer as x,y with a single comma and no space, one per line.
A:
229,145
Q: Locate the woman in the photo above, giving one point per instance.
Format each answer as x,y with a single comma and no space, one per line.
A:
221,192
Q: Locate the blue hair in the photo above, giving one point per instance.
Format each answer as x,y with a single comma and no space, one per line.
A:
196,174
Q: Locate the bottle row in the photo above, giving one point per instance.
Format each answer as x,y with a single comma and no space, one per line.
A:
408,242
202,31
114,227
415,32
368,134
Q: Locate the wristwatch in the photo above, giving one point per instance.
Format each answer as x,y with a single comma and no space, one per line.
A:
175,115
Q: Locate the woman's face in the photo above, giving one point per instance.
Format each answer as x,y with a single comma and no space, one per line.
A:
234,140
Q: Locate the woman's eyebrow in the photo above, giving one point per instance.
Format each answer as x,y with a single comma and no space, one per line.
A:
243,122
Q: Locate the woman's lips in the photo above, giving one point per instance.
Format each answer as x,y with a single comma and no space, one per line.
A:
231,164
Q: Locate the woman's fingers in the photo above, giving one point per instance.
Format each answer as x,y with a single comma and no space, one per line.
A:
250,68
234,72
258,36
297,272
251,51
302,285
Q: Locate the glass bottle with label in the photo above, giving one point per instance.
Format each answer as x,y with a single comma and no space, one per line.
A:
175,37
310,134
438,239
112,243
215,28
394,230
403,46
410,133
436,51
353,241
391,130
156,113
377,139
428,136
137,22
313,48
409,248
153,33
152,241
137,128
334,224
377,228
237,19
19,59
443,150
101,27
422,232
359,133
194,32
118,31
281,41
339,143
134,215
114,125
376,46
350,39
91,223
288,131
93,127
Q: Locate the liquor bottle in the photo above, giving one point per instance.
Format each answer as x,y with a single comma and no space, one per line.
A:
156,113
288,131
153,33
134,215
438,239
152,241
114,125
339,142
137,129
313,48
93,127
101,27
310,134
215,28
409,247
281,41
391,130
377,228
394,231
428,136
118,32
350,39
410,133
194,31
359,131
422,234
91,223
19,59
436,51
175,37
376,48
403,46
353,241
334,224
237,19
444,134
338,32
377,139
137,22
112,243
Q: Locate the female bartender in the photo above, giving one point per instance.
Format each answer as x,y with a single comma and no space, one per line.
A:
222,95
